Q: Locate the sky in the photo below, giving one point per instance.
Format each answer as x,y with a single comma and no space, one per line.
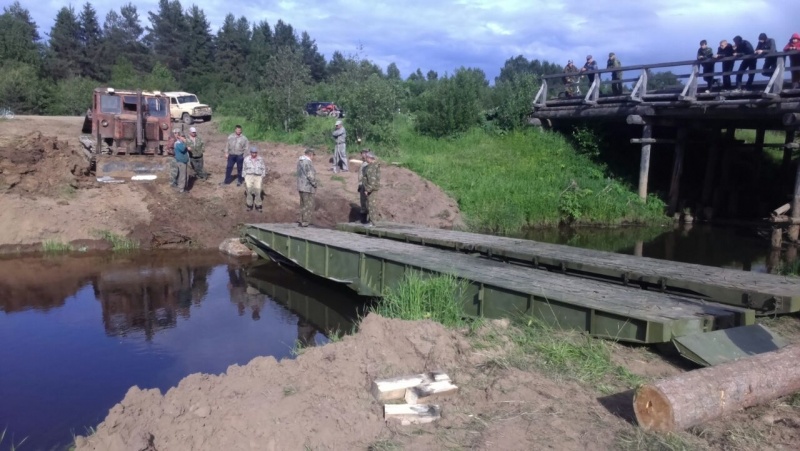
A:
444,35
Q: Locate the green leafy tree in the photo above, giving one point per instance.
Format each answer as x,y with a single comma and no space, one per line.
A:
338,65
165,35
312,58
71,97
233,42
513,101
392,72
160,79
125,76
285,36
432,75
370,109
91,39
66,51
21,89
19,38
454,104
662,80
261,50
286,86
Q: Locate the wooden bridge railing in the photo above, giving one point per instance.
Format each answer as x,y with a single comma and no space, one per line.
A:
773,89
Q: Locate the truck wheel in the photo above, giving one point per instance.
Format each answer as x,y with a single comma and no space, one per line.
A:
186,119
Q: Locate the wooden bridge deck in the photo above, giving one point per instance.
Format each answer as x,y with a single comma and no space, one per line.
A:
764,292
496,289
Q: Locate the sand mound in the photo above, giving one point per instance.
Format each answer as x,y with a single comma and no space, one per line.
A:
37,165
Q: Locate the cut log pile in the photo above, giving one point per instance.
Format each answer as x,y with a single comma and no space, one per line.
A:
416,391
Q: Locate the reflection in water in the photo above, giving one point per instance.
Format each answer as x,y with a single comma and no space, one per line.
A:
103,325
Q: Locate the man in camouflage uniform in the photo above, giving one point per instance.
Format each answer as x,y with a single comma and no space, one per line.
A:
570,81
196,147
234,152
361,193
372,183
169,150
306,185
613,62
254,171
340,152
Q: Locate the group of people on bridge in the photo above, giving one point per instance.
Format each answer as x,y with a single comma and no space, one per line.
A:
707,59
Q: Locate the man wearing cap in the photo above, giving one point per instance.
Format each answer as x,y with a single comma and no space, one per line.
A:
181,161
361,193
372,183
169,149
254,172
340,152
196,147
765,46
306,186
590,65
613,62
234,152
569,81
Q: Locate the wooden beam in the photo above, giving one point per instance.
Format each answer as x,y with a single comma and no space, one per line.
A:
794,229
652,141
408,414
677,170
635,119
644,163
787,151
423,393
694,397
395,387
711,167
791,119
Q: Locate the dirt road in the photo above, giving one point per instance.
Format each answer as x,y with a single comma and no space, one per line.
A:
47,193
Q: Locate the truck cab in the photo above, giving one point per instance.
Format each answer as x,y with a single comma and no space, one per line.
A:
185,106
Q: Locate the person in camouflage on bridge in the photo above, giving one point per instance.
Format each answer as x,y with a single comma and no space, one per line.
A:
372,183
196,147
570,83
613,62
306,186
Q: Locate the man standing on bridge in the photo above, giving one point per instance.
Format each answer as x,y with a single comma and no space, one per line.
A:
744,48
706,57
725,50
767,45
306,185
794,60
590,65
340,151
372,183
613,62
570,82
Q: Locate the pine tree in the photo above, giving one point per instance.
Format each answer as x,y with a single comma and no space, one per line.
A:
260,51
199,44
91,38
233,43
285,36
392,72
165,35
122,44
312,58
337,66
65,51
19,38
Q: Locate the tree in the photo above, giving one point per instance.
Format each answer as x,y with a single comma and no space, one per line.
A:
71,97
337,65
19,38
233,42
432,75
657,81
165,36
392,72
454,104
260,51
285,36
21,89
513,100
91,39
370,109
66,52
312,58
122,34
286,82
199,44
160,79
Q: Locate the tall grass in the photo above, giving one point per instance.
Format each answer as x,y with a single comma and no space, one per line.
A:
118,242
503,182
438,298
55,247
11,446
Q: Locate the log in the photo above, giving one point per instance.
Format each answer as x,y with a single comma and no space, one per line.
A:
412,414
423,393
692,398
781,210
395,387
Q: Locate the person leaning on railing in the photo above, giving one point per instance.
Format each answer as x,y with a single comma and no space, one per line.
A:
725,50
706,56
765,46
794,60
744,48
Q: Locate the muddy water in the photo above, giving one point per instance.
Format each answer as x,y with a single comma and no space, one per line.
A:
77,332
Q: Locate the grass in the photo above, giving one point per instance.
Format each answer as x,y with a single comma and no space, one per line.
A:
118,242
636,439
417,297
56,247
289,390
770,137
12,446
385,445
502,182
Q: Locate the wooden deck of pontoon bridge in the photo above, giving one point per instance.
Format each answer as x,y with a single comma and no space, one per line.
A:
766,293
495,289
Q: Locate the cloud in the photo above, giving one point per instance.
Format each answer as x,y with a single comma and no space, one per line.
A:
448,34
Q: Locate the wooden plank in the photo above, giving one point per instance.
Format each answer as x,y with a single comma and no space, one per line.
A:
408,414
395,387
496,289
424,393
769,293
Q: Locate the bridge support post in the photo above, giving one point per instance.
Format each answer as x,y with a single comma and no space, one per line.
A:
723,187
677,170
787,151
644,164
711,169
794,229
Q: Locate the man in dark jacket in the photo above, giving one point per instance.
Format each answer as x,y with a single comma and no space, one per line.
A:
767,45
590,65
725,50
706,58
743,48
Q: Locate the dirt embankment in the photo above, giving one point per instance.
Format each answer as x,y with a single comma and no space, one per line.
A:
48,194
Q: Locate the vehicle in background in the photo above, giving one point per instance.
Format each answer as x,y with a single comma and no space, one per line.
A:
328,109
184,106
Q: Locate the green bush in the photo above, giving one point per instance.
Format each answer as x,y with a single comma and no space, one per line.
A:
454,104
71,97
21,90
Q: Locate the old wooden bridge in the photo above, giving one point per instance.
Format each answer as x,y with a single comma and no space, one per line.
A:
608,295
668,115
